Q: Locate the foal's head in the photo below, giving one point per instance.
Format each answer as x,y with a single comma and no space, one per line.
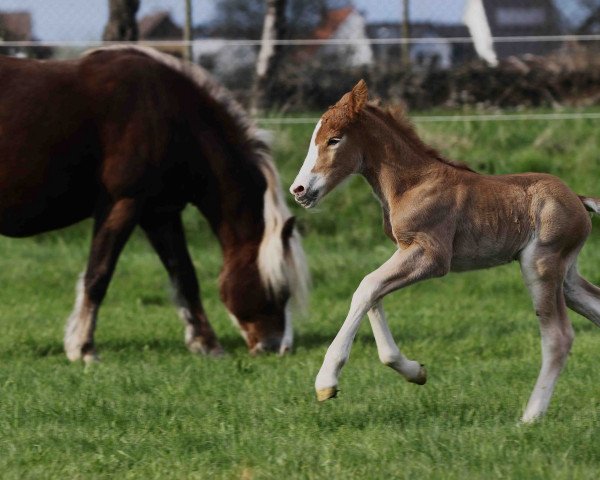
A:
332,154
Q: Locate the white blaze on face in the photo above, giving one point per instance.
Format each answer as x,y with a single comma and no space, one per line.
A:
237,323
306,178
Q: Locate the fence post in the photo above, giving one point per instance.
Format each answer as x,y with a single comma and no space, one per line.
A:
187,31
405,34
122,25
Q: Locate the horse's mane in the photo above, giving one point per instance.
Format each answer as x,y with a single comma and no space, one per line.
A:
397,116
280,270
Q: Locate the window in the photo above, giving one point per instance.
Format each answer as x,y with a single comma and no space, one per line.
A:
520,16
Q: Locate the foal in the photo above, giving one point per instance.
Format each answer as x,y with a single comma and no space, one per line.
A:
445,217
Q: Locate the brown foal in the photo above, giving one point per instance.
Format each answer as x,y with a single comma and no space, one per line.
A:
445,217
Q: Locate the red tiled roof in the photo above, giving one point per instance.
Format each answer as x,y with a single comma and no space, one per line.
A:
332,21
148,23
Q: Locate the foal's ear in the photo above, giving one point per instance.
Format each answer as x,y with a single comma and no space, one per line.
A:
360,95
353,101
287,231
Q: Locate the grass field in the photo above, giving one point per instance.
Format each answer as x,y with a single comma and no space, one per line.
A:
152,410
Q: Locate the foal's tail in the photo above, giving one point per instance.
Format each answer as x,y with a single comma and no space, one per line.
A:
591,204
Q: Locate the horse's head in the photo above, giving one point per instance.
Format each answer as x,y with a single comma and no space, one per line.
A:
260,282
333,153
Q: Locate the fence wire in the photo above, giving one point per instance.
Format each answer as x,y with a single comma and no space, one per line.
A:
547,49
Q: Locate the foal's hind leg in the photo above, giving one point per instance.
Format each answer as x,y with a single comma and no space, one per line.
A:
111,230
582,296
543,272
168,239
388,351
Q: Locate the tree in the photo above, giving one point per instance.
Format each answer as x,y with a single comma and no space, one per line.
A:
591,19
245,18
270,52
122,25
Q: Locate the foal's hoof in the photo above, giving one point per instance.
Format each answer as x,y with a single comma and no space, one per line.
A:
326,393
421,377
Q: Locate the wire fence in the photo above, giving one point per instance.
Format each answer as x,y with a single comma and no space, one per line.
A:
545,52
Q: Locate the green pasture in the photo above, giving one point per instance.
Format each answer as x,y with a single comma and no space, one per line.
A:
152,410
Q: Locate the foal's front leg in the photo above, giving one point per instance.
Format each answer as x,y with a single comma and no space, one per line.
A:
388,351
404,268
112,228
168,239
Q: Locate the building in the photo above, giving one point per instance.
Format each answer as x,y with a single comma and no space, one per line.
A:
160,26
439,54
342,24
509,18
15,26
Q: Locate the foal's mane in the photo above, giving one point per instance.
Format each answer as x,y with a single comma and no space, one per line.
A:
280,269
397,117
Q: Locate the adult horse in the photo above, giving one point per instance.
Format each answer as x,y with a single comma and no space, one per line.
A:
129,136
444,217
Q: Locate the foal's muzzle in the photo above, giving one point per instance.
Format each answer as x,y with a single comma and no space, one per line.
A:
306,193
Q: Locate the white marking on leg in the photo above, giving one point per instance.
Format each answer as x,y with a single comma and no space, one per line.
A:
80,326
388,351
555,349
582,296
287,342
556,332
191,338
403,268
339,350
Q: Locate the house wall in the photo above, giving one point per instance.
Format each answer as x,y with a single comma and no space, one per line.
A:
520,18
354,27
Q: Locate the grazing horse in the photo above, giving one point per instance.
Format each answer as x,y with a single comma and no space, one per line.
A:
445,217
129,136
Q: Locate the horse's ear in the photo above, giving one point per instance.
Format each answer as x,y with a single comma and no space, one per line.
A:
354,101
360,95
288,230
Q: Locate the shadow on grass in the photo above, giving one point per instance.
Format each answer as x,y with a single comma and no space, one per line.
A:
43,348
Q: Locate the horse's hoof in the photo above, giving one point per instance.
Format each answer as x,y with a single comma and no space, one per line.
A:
198,346
326,393
421,378
216,352
73,354
91,358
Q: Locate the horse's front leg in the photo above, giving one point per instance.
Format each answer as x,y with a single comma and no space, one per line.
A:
388,351
112,228
404,268
168,239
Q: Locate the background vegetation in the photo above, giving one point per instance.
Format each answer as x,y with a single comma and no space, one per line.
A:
152,410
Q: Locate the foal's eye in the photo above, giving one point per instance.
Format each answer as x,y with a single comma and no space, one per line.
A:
333,141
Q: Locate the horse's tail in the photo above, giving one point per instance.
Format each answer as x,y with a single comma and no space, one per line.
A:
591,204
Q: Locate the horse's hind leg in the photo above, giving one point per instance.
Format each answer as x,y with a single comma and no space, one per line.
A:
582,296
543,272
168,239
111,230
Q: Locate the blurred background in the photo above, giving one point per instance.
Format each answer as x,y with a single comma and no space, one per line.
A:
292,56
